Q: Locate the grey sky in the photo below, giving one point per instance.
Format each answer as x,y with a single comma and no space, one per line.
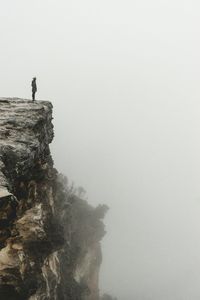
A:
124,80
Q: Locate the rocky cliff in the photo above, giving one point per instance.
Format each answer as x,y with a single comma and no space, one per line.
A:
49,237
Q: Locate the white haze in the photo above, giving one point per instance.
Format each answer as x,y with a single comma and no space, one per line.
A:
123,77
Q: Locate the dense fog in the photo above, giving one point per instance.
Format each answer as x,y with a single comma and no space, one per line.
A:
123,77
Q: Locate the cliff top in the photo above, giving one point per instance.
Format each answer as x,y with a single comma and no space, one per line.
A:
25,133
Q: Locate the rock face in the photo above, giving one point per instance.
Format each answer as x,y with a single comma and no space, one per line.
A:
49,237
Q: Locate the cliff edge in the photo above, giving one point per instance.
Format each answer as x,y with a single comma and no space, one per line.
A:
49,237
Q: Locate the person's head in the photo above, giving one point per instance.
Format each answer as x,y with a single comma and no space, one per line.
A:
34,78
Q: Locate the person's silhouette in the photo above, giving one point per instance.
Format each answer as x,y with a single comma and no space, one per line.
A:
34,88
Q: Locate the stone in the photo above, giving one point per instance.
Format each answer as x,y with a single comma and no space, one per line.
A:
49,237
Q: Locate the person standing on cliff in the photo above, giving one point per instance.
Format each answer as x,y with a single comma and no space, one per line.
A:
34,88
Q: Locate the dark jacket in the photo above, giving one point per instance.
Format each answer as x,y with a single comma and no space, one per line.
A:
34,86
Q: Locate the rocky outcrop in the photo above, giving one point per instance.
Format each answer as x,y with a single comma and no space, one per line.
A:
49,237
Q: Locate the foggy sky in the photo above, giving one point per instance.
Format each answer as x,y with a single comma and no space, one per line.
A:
123,77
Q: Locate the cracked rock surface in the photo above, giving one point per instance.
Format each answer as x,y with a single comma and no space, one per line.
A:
49,237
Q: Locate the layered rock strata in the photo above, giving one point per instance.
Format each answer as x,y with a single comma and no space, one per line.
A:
49,237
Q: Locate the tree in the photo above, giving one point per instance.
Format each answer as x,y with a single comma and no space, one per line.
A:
107,297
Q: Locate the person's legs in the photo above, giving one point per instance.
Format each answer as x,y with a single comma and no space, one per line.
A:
33,96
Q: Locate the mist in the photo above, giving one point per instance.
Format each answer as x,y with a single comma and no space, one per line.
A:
123,77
